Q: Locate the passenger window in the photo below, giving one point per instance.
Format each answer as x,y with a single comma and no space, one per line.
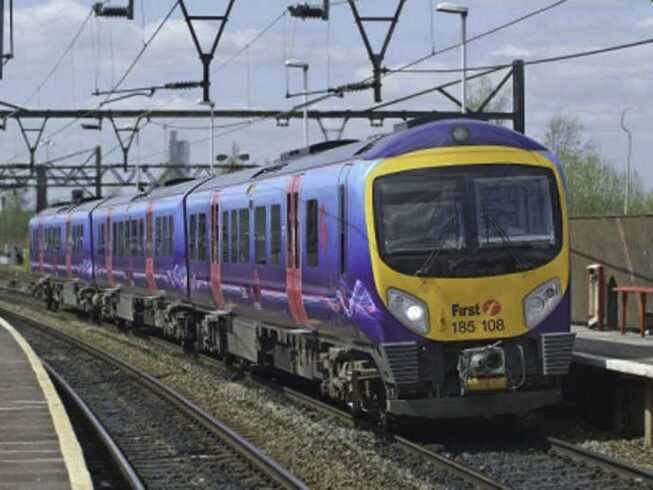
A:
201,240
114,238
141,238
171,236
275,234
312,232
157,237
259,234
192,247
244,235
225,236
234,235
215,233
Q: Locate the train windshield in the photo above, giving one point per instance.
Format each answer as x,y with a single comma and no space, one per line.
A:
468,221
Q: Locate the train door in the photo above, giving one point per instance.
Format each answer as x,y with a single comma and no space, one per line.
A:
69,247
216,283
342,223
109,245
293,265
149,247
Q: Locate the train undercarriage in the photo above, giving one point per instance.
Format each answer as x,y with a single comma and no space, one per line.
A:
402,379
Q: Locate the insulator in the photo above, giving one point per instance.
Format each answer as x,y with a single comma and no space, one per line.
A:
182,85
307,11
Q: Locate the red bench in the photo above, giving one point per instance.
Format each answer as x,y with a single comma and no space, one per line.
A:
642,291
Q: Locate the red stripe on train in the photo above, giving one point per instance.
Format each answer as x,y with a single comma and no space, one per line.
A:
293,268
216,286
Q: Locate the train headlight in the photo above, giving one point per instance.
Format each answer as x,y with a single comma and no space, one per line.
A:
409,310
541,301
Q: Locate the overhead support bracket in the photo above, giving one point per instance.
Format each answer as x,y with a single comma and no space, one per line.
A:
377,56
206,56
126,11
32,145
125,144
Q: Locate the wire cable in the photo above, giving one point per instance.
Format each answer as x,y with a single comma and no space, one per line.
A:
538,61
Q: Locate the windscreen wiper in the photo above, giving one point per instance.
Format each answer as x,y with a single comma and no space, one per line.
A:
520,261
435,253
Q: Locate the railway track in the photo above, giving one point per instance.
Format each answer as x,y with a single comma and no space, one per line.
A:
169,441
108,466
544,463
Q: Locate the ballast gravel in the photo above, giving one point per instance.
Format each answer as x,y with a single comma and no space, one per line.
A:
321,450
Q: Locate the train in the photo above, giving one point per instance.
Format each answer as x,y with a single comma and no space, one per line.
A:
421,273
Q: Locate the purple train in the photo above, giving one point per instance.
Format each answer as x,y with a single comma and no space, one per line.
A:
422,273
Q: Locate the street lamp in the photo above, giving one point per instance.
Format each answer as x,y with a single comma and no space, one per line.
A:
630,147
450,8
211,105
304,66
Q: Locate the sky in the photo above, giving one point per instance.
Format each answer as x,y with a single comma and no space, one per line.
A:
594,90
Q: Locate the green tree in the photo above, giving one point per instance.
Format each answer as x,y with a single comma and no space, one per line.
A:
479,90
596,186
14,217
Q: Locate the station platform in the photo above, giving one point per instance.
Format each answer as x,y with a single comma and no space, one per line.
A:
38,447
608,349
628,389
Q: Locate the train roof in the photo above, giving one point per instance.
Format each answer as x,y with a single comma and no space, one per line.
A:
436,134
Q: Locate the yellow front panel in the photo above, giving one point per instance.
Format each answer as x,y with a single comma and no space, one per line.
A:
468,308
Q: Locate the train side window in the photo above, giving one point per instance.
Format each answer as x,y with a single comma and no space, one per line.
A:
244,235
192,234
171,236
141,238
135,239
225,236
275,234
215,233
201,236
165,251
157,237
234,235
312,248
118,238
260,231
114,239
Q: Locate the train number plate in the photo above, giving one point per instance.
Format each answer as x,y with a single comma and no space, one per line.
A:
466,327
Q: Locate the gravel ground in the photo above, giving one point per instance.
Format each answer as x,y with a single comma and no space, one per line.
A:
322,451
517,456
167,449
631,449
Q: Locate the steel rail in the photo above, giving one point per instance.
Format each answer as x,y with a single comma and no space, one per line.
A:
578,453
129,475
249,451
562,447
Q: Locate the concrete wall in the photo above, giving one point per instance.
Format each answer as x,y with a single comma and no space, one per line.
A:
624,245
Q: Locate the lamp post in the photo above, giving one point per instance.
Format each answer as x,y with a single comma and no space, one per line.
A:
304,66
211,105
630,148
450,8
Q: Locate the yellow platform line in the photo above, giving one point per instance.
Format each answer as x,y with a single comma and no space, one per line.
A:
68,443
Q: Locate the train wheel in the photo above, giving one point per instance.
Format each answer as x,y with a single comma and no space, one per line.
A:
389,422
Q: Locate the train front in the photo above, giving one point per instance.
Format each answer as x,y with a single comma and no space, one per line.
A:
469,245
